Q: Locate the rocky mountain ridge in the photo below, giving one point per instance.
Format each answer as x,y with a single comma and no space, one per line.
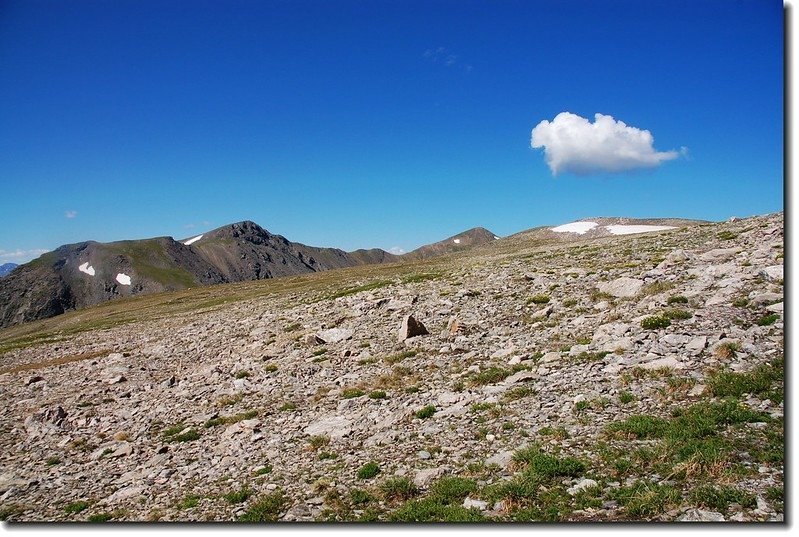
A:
79,275
620,378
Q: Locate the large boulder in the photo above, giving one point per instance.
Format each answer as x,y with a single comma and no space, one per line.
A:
622,287
411,328
333,335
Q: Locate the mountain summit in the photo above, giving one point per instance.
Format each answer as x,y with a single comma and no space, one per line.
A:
462,241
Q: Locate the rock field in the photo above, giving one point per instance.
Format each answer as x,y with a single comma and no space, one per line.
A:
625,378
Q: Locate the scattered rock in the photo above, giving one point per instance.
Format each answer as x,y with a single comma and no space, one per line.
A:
501,459
334,335
64,439
622,287
411,328
700,515
775,308
334,427
471,503
772,273
582,484
426,476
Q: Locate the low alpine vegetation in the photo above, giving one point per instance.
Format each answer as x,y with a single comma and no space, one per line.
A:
368,470
655,322
425,412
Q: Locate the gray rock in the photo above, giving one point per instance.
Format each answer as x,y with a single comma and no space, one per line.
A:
471,503
411,328
700,515
719,254
622,287
123,494
552,356
765,298
675,257
672,362
696,345
772,273
333,426
334,335
575,350
776,308
502,353
521,376
675,340
9,480
582,484
619,344
426,476
502,459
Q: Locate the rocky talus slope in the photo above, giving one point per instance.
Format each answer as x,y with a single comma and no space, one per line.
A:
621,378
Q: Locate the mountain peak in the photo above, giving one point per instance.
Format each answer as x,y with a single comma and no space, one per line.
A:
5,268
466,239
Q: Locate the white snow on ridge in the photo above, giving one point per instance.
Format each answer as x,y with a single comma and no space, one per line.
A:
456,241
575,227
88,269
621,229
124,279
192,241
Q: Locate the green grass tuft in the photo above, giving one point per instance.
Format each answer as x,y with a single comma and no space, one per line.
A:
767,320
266,509
425,412
76,507
645,499
655,322
368,470
492,375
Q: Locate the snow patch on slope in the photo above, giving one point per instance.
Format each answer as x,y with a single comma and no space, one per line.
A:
88,269
622,229
192,241
456,241
575,227
124,279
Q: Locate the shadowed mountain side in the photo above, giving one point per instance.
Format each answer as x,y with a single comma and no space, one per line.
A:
78,275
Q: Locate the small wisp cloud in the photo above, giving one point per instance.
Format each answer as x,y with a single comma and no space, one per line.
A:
573,144
21,255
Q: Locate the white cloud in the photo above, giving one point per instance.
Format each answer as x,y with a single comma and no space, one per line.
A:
21,256
396,250
71,214
573,144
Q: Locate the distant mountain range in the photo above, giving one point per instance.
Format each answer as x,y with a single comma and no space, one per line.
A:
74,276
6,268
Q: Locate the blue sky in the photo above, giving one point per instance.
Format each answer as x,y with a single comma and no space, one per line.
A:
378,124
